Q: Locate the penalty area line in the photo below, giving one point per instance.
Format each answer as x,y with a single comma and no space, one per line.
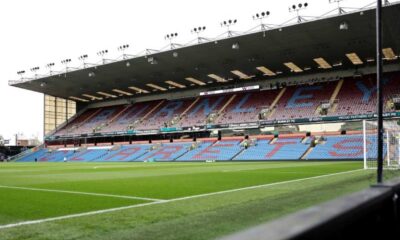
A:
12,225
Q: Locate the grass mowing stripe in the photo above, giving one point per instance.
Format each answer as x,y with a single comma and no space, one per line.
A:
81,193
167,201
75,215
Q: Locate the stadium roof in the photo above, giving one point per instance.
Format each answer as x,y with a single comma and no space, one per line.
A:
310,46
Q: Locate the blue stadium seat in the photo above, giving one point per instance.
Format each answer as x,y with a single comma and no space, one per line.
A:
30,157
125,153
219,151
345,147
88,155
56,156
167,152
282,149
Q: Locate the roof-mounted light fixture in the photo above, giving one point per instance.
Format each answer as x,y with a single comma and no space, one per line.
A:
322,63
297,8
102,54
266,71
354,58
260,17
195,81
122,49
34,70
344,26
339,8
152,60
50,66
21,73
389,54
216,77
169,37
197,31
139,90
175,84
65,62
78,99
83,58
156,87
236,46
122,92
228,24
293,67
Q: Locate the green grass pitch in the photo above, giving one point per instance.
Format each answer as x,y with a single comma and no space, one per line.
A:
162,200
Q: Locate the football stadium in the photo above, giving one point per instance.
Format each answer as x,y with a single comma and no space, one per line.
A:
277,132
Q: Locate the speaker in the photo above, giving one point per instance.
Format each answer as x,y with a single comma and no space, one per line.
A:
149,140
308,134
219,135
171,139
246,137
343,132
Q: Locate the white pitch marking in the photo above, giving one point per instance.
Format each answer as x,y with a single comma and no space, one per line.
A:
81,193
166,201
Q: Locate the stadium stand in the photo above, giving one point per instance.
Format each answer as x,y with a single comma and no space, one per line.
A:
223,150
70,127
130,117
246,107
356,97
166,115
201,111
165,152
288,148
34,155
351,96
90,154
56,156
125,153
343,147
302,101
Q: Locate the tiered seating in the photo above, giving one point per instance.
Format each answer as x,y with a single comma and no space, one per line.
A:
67,130
198,114
56,156
34,155
281,149
125,153
105,115
220,151
91,154
164,114
166,152
302,101
246,107
289,147
344,147
357,96
392,86
130,116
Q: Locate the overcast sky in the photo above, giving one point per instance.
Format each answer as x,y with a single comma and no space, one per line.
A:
34,33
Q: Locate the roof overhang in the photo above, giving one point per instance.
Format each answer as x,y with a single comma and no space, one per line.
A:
299,44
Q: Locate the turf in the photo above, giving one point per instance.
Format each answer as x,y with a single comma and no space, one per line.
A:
196,218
